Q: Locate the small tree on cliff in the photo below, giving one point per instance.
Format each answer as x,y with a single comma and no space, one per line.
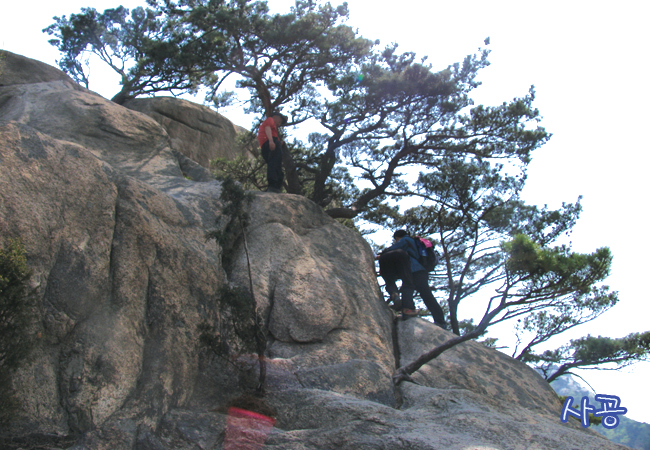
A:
536,279
393,117
470,207
180,44
493,242
279,58
137,46
592,353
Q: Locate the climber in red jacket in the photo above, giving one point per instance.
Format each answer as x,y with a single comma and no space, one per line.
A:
271,146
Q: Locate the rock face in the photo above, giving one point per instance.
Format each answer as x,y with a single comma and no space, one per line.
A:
315,284
139,346
194,130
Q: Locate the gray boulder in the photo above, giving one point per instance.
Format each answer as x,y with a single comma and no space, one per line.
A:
18,69
194,130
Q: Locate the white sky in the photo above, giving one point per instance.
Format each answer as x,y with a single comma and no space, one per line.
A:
588,62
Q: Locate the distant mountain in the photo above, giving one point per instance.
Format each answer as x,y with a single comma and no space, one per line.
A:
629,432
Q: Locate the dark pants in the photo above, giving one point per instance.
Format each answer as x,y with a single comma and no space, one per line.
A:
273,158
396,265
421,284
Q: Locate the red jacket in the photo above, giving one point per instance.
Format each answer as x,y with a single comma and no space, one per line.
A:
261,134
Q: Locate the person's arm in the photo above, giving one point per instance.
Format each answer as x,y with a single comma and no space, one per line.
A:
399,244
269,136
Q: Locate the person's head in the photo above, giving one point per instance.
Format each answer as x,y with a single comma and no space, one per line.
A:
399,234
280,119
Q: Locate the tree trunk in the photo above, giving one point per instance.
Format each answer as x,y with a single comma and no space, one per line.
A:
121,97
404,372
291,172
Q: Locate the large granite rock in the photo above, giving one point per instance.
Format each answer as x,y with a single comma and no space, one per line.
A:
488,398
195,131
131,296
122,138
315,283
17,69
125,278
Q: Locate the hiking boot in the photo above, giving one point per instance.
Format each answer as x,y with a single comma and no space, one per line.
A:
444,326
406,313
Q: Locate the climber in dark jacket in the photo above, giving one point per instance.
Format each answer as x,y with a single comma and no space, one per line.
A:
420,281
395,265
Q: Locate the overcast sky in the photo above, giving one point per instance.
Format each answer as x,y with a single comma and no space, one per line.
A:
588,63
